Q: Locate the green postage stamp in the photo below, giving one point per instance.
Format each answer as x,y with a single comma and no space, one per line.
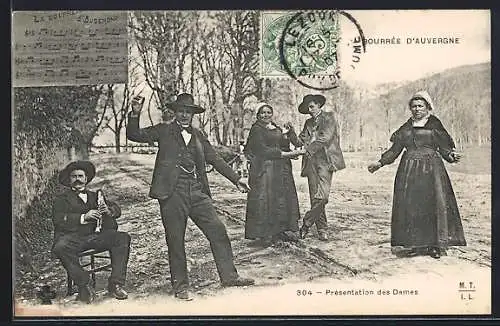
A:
308,46
302,43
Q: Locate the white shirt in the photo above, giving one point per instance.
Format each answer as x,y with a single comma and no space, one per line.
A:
185,135
84,197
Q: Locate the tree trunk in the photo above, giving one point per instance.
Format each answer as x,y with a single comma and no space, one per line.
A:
149,110
225,133
126,140
241,125
260,92
226,123
86,150
117,142
192,69
216,129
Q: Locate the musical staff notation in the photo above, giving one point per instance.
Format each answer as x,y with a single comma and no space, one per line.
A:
79,76
76,45
74,32
88,48
71,60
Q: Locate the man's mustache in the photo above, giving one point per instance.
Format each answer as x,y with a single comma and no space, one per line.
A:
77,182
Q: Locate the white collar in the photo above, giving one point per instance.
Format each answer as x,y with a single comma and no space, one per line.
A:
421,122
182,127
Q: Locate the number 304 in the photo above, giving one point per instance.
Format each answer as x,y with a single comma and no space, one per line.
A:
304,292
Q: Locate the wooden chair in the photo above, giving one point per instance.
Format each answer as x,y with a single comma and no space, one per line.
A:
94,255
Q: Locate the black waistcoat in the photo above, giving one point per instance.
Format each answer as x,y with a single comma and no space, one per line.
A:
188,155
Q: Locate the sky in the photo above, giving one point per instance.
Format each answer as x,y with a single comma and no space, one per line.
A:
403,62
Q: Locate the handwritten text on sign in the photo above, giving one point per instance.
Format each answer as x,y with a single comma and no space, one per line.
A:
69,48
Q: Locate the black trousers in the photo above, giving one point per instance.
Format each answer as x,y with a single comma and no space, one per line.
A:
189,200
69,246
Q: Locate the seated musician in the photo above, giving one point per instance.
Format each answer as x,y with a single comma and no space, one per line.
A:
84,220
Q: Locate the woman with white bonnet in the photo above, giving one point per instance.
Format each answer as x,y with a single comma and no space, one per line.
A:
272,208
425,216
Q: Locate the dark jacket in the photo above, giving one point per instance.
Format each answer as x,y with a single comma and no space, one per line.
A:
326,139
68,208
404,137
266,148
171,143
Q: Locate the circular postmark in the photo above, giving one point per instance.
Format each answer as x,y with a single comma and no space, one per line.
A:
309,47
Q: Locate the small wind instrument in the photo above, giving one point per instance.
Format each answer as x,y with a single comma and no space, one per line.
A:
101,204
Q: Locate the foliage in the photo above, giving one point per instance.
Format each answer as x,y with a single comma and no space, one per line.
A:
163,40
220,74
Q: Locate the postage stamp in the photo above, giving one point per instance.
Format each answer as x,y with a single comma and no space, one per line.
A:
308,46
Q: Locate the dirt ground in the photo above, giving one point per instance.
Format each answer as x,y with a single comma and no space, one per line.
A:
358,253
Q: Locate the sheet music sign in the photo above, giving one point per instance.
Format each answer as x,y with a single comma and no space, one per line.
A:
58,48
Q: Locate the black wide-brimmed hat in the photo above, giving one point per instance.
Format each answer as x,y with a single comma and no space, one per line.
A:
185,100
86,166
318,98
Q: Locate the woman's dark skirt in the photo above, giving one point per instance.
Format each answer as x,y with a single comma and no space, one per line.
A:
425,212
272,205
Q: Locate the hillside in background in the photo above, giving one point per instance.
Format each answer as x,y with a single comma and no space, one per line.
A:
367,116
462,98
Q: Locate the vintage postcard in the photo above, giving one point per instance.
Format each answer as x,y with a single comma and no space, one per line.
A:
251,163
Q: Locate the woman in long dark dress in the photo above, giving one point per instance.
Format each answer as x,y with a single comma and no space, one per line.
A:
272,207
425,216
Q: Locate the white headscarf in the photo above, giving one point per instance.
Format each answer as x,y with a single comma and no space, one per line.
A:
423,95
259,106
426,97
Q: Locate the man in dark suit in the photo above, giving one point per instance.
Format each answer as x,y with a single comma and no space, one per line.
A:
181,186
76,216
322,157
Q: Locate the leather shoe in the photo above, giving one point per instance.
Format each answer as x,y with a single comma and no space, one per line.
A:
117,291
86,293
183,295
239,281
434,253
412,253
322,236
